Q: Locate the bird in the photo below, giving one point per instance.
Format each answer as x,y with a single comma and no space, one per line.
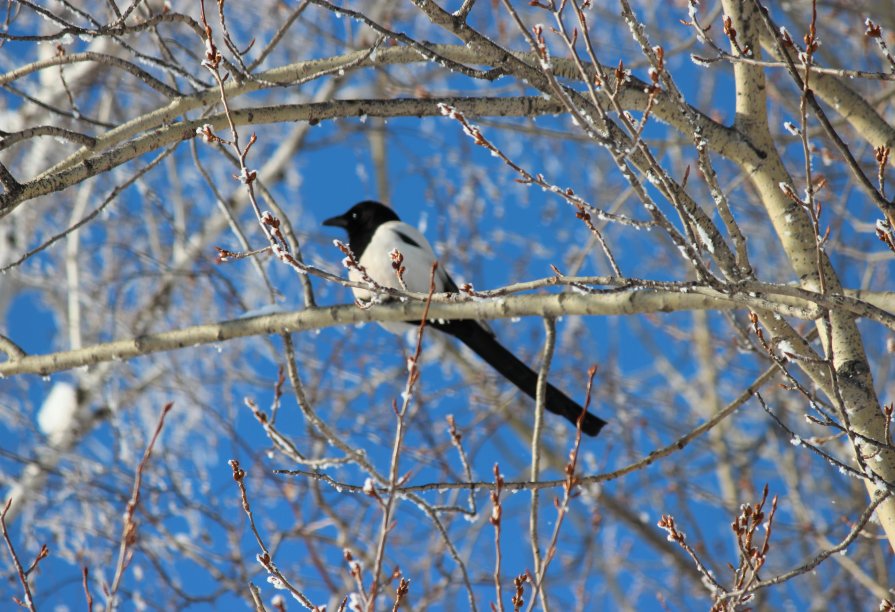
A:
374,232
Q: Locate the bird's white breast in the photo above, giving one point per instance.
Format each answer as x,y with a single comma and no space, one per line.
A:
418,260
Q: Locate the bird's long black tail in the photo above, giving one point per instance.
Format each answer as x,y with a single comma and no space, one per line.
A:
488,348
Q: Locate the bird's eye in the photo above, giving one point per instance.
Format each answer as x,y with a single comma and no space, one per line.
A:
354,215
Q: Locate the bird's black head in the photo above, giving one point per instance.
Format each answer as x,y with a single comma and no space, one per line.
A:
360,221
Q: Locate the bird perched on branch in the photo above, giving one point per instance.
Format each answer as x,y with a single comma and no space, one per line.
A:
376,235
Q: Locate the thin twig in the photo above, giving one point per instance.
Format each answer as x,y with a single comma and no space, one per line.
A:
129,531
535,471
495,520
569,484
265,559
20,571
413,374
86,585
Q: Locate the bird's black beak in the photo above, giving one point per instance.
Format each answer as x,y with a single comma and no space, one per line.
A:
339,221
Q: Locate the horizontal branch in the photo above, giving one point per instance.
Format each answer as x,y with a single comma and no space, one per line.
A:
302,71
87,56
311,112
637,301
161,127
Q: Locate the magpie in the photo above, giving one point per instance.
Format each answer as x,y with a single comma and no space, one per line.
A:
374,232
